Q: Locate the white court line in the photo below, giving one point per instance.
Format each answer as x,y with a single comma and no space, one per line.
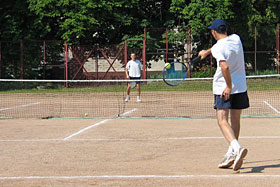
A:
275,110
139,176
181,138
94,125
128,112
130,139
20,106
84,129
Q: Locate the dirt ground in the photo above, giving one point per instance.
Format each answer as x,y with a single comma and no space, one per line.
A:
134,152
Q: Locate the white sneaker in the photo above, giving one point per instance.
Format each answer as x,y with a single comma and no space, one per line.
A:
227,161
127,98
239,159
138,99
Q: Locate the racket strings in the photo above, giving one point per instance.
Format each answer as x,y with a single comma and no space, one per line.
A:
175,74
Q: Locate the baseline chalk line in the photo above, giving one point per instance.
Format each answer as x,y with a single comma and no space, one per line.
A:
139,176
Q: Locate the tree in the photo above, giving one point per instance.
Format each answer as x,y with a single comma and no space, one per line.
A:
241,15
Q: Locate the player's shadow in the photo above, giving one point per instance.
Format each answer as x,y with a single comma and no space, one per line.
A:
259,169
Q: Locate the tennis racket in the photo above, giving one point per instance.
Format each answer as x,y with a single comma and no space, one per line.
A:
176,72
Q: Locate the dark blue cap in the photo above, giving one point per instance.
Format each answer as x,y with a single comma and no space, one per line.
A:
216,24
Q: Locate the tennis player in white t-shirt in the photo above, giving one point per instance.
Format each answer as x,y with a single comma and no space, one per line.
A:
229,88
133,71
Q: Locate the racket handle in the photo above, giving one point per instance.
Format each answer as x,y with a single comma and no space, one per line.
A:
196,59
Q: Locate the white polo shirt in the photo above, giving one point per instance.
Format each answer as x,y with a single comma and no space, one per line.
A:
229,49
134,68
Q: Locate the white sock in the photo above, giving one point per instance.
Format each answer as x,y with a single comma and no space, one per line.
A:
235,145
138,97
230,150
128,96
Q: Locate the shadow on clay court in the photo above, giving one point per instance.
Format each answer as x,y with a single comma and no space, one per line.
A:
259,169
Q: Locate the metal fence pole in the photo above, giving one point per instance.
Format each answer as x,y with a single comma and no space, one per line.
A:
44,65
277,47
21,59
255,50
0,58
66,63
144,58
166,45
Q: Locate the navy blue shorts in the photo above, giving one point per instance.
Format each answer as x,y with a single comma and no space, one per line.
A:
235,101
135,78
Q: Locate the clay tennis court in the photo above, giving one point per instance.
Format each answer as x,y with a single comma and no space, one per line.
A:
134,152
154,104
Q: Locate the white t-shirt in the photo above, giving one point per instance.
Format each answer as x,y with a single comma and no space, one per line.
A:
229,49
134,68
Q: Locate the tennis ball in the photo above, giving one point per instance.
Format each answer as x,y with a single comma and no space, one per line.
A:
167,65
86,114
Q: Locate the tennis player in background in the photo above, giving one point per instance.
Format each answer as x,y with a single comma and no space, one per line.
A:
229,88
133,71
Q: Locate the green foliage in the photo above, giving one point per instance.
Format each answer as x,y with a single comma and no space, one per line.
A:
203,72
263,72
155,76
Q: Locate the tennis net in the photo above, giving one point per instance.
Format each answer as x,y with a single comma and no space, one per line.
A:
106,98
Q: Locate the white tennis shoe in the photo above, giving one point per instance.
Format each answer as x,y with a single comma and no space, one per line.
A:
239,159
227,161
127,98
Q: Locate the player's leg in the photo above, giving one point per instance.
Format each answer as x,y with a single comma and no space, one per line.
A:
128,92
239,102
222,117
139,91
235,121
222,110
240,152
235,125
